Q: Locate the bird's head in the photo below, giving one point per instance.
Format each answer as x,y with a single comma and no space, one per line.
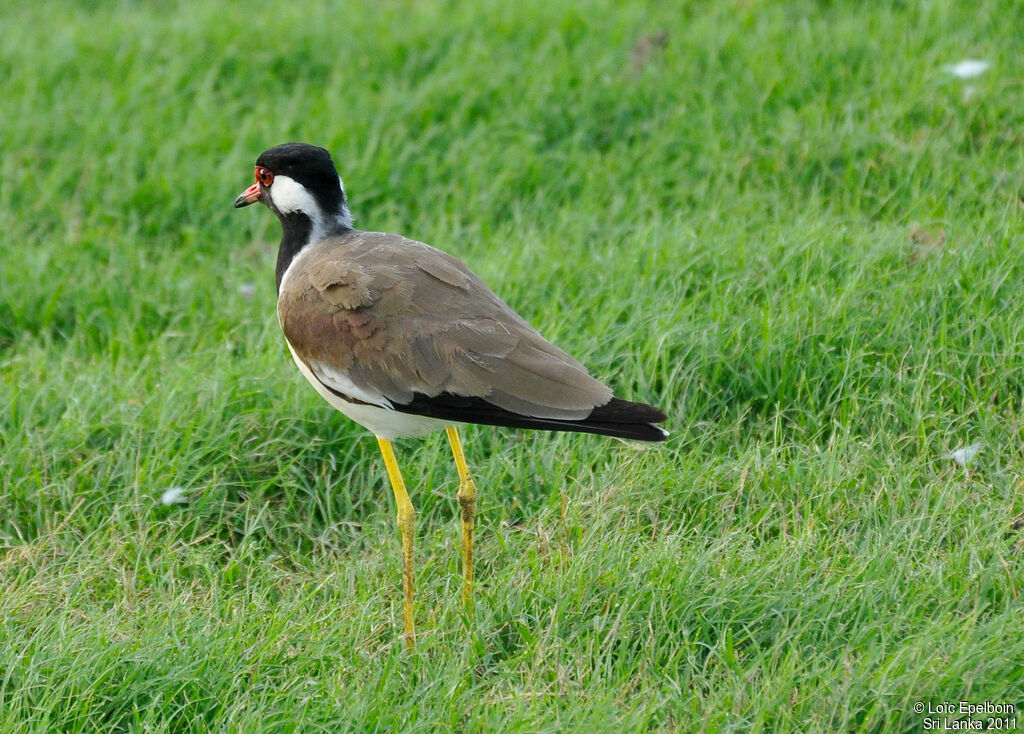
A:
298,180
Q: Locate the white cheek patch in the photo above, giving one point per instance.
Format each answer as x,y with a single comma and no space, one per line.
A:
289,195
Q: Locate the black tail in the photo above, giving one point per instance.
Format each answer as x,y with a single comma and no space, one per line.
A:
620,418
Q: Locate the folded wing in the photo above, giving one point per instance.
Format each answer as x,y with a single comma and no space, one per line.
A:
385,320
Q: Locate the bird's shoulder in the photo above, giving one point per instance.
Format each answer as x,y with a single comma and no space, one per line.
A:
377,297
386,276
351,270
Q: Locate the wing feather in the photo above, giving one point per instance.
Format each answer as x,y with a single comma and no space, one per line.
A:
393,319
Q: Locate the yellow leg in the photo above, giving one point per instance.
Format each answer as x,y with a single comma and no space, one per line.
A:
467,501
406,525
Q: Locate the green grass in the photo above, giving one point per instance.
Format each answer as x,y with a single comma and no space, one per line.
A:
728,226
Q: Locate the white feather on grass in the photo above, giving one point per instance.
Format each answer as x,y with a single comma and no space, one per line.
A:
174,496
967,69
965,454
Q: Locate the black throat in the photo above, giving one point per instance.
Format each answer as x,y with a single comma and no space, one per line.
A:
296,231
296,228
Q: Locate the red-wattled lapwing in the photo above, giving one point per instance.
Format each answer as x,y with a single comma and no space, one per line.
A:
404,339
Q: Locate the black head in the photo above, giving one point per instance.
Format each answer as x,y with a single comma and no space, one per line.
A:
298,178
299,183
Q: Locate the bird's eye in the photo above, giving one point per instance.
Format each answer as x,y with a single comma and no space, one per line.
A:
264,176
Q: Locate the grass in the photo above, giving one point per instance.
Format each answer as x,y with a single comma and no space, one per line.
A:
782,222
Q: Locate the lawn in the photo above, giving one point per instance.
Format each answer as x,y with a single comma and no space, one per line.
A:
790,225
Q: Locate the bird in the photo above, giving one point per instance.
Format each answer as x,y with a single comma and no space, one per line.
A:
405,340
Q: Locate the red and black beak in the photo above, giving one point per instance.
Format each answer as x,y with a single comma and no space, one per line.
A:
250,196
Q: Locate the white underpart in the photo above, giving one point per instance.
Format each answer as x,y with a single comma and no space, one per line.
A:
339,381
382,422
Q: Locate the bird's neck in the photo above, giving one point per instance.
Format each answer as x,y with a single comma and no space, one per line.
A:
299,230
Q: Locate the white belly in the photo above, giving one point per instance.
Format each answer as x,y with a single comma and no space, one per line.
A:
383,422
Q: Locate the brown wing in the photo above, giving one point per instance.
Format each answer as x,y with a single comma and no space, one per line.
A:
385,319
